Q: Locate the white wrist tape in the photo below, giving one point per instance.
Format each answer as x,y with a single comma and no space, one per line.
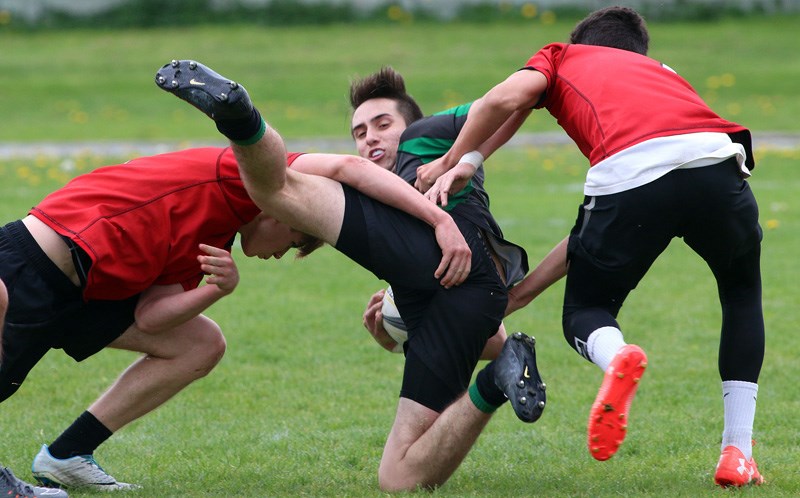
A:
474,158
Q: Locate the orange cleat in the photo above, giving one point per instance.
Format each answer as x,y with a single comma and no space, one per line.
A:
608,419
734,470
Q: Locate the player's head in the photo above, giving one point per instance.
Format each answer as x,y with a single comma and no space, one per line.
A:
616,27
382,109
265,237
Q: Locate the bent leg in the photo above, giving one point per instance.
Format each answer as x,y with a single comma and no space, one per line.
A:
172,361
424,448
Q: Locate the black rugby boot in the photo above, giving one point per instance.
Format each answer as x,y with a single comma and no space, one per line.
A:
216,96
515,373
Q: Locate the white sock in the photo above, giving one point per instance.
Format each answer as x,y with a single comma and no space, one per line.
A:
603,344
739,400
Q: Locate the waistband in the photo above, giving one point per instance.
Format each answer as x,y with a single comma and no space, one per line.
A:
26,245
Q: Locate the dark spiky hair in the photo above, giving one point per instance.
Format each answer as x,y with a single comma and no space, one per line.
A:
385,84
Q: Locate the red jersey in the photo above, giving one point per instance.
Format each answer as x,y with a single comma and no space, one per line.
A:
141,222
608,99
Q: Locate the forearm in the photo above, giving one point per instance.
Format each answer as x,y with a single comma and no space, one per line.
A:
485,118
373,181
549,271
169,307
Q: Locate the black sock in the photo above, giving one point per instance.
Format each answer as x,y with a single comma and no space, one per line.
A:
244,131
488,390
80,438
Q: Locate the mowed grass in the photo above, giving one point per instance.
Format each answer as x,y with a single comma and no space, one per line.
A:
98,85
303,400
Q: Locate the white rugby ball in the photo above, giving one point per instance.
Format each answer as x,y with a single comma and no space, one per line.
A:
392,321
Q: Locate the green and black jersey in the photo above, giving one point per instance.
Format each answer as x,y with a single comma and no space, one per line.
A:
430,138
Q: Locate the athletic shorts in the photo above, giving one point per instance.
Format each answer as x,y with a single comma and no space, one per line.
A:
447,328
617,237
46,310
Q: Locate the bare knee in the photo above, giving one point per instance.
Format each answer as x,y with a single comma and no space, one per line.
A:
208,347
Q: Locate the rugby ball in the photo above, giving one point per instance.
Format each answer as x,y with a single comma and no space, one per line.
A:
392,321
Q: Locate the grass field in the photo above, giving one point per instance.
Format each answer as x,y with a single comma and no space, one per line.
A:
303,400
95,85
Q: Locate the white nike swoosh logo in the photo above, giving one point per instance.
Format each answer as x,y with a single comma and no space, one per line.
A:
195,82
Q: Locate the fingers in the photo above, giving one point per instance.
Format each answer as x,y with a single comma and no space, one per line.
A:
454,271
220,267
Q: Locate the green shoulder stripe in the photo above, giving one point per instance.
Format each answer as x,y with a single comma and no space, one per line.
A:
426,148
459,110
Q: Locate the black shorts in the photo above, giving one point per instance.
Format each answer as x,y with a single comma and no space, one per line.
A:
447,328
46,310
617,237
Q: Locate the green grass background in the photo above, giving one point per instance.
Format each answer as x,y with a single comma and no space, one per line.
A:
303,400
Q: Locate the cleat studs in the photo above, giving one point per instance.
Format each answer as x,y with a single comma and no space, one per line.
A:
541,405
174,63
192,65
636,381
622,416
521,384
517,335
608,407
523,400
543,386
160,79
620,375
174,84
233,85
223,96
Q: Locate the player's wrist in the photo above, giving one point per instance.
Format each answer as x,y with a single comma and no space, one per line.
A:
473,158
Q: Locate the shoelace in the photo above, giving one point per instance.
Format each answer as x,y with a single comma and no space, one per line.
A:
96,470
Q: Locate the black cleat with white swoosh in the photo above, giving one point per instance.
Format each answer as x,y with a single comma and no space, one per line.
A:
515,373
217,97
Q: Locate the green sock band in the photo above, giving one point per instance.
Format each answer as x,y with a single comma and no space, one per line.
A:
480,403
255,138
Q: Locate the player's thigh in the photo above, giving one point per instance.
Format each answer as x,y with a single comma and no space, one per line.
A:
411,422
615,240
724,226
199,336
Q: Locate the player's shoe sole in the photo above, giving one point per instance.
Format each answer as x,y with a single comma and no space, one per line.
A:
516,374
216,96
608,419
733,469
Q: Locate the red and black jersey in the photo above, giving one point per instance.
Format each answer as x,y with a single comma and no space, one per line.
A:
141,222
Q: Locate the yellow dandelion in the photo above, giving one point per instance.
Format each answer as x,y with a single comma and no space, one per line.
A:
727,80
529,10
773,224
713,82
548,17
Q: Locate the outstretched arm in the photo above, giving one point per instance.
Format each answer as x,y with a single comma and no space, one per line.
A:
549,271
385,186
428,173
502,106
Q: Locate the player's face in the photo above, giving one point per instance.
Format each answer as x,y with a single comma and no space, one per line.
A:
376,128
265,238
